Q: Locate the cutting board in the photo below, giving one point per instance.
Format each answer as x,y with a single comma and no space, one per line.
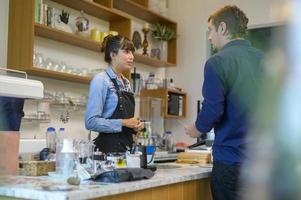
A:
198,157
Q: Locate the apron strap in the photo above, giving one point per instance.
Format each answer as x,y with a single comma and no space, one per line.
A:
119,96
114,82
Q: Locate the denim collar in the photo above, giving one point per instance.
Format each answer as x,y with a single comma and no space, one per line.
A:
111,73
237,43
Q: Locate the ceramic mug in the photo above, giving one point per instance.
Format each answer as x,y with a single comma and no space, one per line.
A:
103,35
95,35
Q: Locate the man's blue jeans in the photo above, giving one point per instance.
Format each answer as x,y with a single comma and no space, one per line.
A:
225,181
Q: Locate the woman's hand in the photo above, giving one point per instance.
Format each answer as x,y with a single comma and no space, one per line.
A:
133,123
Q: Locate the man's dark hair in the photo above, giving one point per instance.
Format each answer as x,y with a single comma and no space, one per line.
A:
235,19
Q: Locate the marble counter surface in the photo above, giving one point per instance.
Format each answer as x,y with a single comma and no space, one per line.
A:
47,188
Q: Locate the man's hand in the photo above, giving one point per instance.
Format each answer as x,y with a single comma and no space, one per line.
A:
192,131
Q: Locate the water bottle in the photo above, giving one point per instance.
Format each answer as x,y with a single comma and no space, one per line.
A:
51,139
65,159
59,142
169,141
61,135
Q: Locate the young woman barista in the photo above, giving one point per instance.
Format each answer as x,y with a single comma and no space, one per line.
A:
111,104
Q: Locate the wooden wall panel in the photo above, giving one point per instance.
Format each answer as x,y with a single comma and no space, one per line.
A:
20,34
175,191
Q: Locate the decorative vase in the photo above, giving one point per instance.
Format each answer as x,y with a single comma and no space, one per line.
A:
163,50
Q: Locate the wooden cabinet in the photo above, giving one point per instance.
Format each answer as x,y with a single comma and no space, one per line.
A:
190,190
22,31
166,95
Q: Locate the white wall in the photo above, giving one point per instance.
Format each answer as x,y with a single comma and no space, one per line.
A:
3,32
192,44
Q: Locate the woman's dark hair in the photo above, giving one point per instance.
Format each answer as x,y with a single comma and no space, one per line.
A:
112,44
235,19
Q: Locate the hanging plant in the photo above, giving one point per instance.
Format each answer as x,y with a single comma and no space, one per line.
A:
162,32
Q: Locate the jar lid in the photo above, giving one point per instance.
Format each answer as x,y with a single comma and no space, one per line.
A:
50,129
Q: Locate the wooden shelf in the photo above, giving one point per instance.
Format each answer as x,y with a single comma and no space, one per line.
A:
58,75
118,21
139,9
76,40
141,12
152,61
93,9
69,38
167,116
22,17
163,94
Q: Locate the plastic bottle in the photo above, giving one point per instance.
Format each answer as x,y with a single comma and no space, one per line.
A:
61,135
51,139
65,162
60,141
169,141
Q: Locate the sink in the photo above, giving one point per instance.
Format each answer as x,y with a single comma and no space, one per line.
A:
164,166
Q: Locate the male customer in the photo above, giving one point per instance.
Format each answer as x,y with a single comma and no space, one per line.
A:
231,81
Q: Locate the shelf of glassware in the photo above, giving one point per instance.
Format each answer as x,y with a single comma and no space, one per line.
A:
57,75
40,117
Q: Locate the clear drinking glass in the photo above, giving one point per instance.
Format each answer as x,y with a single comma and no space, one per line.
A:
48,63
38,59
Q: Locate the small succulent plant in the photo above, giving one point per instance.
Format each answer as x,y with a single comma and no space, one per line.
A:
64,16
162,32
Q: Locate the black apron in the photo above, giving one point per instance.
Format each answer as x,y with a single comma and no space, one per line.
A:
118,142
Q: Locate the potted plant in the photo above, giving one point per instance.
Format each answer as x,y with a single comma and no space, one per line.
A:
162,33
